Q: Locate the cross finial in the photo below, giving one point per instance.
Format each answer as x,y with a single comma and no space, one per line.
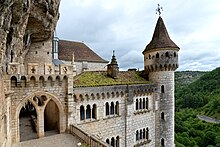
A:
159,9
113,52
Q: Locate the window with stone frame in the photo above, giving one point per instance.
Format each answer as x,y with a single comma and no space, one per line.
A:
88,112
141,104
142,134
112,109
114,141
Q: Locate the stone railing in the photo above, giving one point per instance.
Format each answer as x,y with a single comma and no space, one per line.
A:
92,141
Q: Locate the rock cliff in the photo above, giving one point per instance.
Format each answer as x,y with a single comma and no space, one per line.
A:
23,22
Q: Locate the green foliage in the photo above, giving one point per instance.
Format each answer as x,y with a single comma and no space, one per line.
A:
198,95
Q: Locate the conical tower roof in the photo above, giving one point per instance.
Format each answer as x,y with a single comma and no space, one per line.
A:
160,38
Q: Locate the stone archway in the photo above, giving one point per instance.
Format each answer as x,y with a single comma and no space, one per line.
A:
51,116
27,122
39,100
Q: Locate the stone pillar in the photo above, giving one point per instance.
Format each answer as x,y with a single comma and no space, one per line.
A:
40,124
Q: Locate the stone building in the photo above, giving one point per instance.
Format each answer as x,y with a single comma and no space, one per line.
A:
58,91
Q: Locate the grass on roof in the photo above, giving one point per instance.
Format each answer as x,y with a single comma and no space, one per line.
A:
98,78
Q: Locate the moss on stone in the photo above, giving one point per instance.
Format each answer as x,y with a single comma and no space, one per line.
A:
100,78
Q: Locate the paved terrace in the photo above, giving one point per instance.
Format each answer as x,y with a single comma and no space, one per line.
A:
58,140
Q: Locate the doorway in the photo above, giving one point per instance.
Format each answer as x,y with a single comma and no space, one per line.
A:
51,119
28,122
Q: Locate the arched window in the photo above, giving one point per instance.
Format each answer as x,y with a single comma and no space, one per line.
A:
147,134
13,81
107,141
162,115
88,112
107,108
140,103
162,89
50,81
117,141
136,104
112,108
41,81
141,134
113,142
32,81
94,111
57,81
82,112
23,81
157,55
174,54
144,133
149,56
137,135
117,108
144,103
147,103
162,142
167,54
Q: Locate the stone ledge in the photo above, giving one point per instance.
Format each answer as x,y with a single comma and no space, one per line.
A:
141,111
140,143
111,116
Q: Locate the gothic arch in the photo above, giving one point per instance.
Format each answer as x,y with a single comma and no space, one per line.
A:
39,111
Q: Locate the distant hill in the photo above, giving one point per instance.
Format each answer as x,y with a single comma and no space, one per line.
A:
197,93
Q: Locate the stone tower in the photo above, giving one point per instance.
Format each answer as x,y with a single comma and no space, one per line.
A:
160,62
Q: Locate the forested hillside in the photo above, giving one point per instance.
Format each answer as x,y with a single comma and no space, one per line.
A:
197,93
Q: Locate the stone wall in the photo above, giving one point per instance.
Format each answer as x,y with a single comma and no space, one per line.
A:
126,122
89,66
164,124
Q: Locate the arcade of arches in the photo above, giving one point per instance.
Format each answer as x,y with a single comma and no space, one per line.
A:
37,114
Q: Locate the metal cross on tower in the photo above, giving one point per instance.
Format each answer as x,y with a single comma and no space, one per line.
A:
159,9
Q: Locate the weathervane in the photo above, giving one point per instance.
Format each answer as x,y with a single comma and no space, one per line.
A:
159,9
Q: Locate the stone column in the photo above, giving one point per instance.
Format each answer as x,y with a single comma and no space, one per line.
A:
40,124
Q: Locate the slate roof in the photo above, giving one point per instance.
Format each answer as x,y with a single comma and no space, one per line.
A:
160,37
100,78
80,50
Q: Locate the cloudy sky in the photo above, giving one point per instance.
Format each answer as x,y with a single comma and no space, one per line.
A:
127,26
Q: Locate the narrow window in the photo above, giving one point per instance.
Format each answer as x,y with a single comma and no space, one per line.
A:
149,56
137,135
82,113
162,115
94,111
107,141
162,142
157,55
144,133
147,103
147,133
13,81
112,108
140,104
106,108
144,103
88,112
162,89
117,141
117,108
174,54
141,134
113,142
167,54
136,104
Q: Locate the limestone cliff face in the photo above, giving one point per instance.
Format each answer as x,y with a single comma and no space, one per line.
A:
22,23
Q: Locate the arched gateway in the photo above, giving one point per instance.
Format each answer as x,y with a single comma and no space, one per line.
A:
48,110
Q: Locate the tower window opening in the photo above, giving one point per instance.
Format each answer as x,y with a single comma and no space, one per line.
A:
162,89
157,55
162,116
162,142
